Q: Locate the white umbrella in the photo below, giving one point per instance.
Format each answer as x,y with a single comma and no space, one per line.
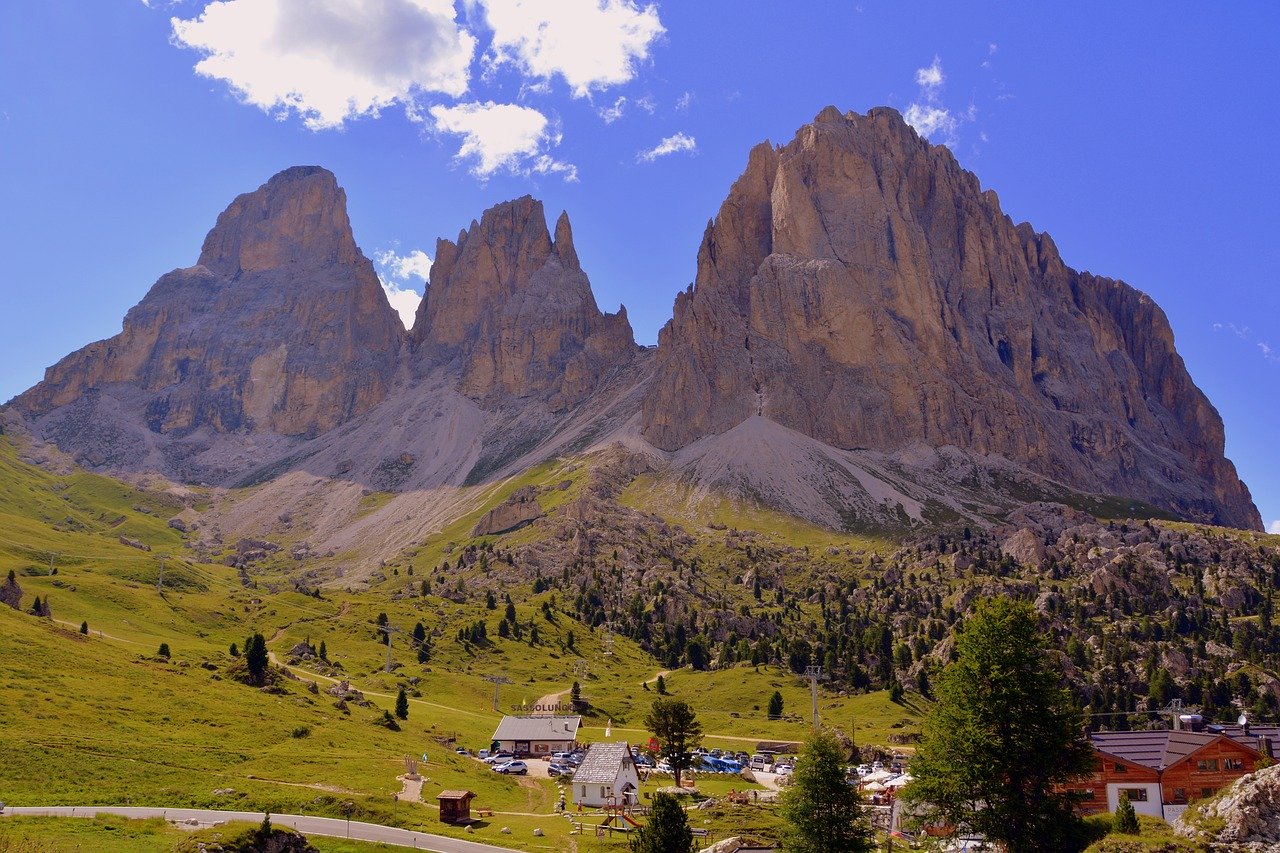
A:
873,786
898,782
878,776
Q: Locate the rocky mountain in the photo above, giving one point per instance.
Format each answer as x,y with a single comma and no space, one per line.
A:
859,287
281,328
870,343
514,310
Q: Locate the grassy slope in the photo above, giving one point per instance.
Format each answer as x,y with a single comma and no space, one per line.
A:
99,719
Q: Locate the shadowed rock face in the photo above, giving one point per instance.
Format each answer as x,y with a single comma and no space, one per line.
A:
859,287
281,327
512,308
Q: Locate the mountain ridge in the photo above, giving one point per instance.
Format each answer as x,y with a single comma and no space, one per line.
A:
763,387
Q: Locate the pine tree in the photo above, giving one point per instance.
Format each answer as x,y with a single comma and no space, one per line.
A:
402,705
324,651
667,830
10,592
662,686
164,650
775,705
821,810
675,725
1126,819
84,627
256,657
234,651
1004,734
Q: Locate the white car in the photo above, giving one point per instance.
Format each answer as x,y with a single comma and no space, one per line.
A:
517,768
783,769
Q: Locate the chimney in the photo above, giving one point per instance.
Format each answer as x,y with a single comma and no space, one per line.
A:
1264,746
1246,728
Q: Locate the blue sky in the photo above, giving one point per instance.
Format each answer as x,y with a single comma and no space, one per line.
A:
1139,135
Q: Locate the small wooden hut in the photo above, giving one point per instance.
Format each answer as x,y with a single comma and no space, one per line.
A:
455,806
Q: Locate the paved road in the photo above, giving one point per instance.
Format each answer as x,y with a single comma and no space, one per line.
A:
303,823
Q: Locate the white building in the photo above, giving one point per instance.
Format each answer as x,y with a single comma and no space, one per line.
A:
607,777
537,736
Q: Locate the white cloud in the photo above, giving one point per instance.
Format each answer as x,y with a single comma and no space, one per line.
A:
330,60
592,44
613,113
1245,333
930,121
394,271
648,104
930,79
1274,527
684,101
671,145
503,137
415,264
927,114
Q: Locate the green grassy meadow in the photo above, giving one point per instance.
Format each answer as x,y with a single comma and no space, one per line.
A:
100,718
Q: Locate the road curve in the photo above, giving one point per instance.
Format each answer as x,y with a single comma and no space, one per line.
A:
305,824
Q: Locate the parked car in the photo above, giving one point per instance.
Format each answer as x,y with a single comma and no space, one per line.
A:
518,768
783,769
863,769
643,760
462,750
499,758
557,769
482,754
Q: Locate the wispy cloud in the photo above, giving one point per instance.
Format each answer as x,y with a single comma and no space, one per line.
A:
685,101
1245,333
1274,527
673,144
927,114
611,114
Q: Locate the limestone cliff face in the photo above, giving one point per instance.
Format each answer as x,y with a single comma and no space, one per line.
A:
280,327
513,309
859,287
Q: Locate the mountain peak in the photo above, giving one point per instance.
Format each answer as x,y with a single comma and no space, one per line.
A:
299,216
859,287
515,311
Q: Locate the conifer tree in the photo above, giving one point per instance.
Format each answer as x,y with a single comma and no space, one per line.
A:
256,657
1126,819
1004,736
821,810
402,705
775,705
666,831
84,627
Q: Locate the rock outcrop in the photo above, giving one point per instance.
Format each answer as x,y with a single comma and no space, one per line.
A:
280,327
1245,817
859,287
511,307
516,511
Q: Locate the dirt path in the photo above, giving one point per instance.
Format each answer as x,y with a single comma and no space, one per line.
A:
103,634
410,789
662,673
549,701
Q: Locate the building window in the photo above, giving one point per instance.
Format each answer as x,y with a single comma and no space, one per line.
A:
584,792
1206,793
1136,795
602,793
1120,768
1089,793
1233,763
1179,795
1207,765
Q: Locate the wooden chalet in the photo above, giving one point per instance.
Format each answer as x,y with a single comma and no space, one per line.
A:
1164,771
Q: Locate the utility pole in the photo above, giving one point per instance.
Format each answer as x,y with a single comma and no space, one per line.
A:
814,674
388,630
498,681
51,556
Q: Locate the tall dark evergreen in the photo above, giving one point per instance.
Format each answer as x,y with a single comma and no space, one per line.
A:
402,705
1003,737
667,829
256,657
